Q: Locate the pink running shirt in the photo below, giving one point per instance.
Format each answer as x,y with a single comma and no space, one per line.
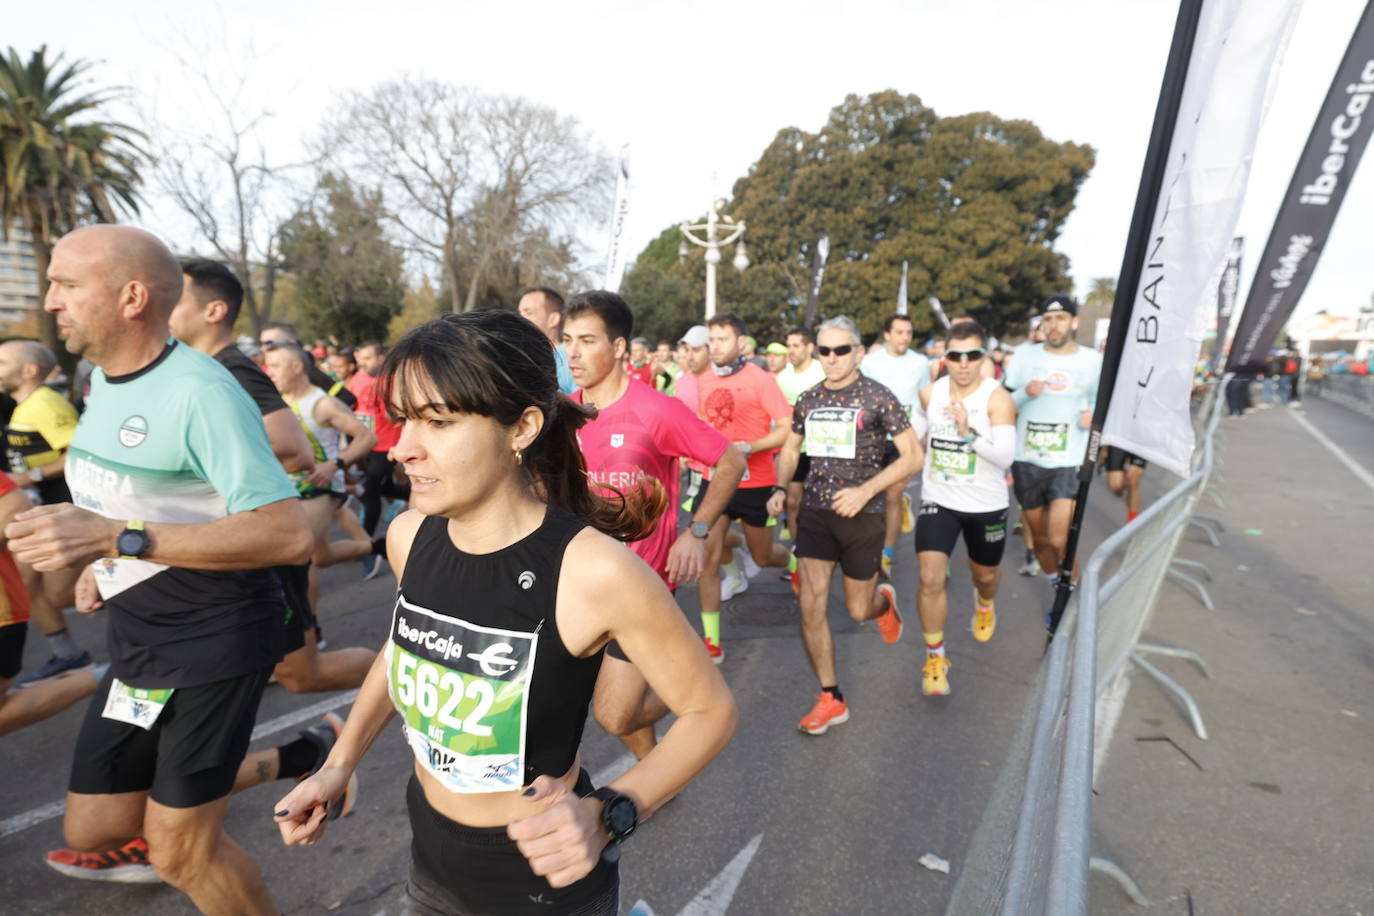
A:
643,434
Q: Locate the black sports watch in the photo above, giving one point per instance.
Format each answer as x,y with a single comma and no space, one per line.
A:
343,465
700,530
619,815
133,542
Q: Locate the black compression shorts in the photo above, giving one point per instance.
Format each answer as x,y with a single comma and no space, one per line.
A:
985,533
1118,458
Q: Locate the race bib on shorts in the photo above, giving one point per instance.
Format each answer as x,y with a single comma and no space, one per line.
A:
953,460
1047,440
135,705
463,694
832,432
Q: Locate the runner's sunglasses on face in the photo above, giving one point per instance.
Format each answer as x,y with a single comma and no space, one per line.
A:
842,350
958,356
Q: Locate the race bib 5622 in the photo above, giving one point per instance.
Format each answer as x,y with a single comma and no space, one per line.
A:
463,693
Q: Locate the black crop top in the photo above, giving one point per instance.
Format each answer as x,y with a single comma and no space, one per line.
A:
490,696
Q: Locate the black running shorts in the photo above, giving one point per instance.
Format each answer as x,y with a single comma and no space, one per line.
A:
1036,486
459,869
190,755
295,588
855,543
1118,458
985,533
12,639
749,506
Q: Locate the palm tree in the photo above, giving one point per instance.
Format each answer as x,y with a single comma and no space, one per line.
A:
60,164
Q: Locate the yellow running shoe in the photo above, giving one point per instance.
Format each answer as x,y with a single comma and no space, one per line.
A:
908,520
933,680
984,621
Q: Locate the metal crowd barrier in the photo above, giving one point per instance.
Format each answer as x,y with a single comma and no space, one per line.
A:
1353,391
1031,852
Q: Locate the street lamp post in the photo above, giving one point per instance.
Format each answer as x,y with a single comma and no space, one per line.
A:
718,231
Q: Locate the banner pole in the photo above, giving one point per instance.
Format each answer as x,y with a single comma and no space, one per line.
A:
1147,199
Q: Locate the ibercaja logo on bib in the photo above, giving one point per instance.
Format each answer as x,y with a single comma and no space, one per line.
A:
133,431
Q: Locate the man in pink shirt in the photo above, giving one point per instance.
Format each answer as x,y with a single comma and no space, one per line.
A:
639,432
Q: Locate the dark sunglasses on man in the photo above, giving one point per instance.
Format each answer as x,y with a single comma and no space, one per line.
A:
842,350
958,356
272,344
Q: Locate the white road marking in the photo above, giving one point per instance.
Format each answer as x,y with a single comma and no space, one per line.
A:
44,813
1365,477
714,899
613,770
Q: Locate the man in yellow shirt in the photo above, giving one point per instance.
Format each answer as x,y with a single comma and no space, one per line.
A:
37,437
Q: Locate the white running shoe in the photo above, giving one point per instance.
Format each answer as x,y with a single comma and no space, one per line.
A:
732,584
745,561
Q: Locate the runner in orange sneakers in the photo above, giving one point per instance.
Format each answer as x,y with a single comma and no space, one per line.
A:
968,424
845,423
639,432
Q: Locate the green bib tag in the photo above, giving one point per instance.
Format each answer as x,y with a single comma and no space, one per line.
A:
832,432
462,692
1046,440
135,705
953,460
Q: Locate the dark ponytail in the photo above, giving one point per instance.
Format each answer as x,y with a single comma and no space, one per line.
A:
497,364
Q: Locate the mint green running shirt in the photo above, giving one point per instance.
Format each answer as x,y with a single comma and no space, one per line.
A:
179,441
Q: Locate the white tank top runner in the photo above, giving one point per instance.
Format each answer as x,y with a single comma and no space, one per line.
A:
322,438
955,476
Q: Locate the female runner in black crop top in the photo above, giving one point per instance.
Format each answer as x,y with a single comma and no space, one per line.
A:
504,552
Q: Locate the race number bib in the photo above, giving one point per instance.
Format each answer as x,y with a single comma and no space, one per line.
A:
1047,440
367,420
832,432
463,694
135,705
952,460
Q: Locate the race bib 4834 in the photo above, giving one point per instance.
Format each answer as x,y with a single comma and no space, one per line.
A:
463,693
1047,440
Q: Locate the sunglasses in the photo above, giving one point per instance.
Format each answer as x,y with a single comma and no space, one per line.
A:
843,350
958,356
272,344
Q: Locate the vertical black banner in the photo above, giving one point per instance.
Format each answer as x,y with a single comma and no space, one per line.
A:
1310,205
1226,299
813,293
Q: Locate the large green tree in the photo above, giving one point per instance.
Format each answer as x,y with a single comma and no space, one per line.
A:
61,163
348,280
974,203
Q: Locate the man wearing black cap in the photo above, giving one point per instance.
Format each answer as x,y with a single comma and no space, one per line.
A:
1054,385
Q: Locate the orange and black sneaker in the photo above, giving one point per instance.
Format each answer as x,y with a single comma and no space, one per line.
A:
126,865
828,711
890,621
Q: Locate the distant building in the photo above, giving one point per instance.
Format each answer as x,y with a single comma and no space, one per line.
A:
19,305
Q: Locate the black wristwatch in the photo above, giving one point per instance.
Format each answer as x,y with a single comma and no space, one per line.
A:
133,542
619,815
343,465
700,530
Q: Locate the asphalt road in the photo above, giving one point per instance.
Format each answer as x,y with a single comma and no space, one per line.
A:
782,822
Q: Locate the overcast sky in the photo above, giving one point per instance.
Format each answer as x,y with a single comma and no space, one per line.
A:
698,87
